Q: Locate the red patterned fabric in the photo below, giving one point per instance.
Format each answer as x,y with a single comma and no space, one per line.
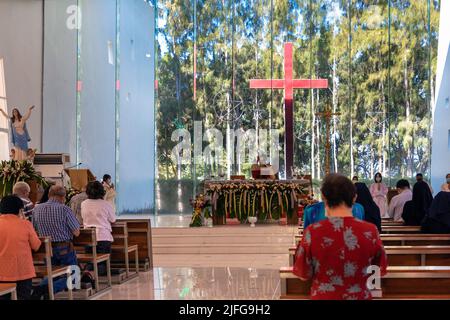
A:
335,254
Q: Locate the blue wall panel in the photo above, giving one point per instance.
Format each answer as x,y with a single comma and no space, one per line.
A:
137,125
97,109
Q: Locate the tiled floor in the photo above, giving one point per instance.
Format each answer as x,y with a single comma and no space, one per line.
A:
199,283
246,269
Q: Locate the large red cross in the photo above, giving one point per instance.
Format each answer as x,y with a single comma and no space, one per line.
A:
288,84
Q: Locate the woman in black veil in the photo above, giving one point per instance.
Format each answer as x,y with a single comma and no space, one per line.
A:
438,218
371,210
415,210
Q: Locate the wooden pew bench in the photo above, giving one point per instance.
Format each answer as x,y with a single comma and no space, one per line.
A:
408,255
140,234
88,238
399,283
8,288
392,230
409,239
121,251
42,260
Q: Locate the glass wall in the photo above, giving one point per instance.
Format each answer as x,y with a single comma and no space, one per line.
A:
4,129
379,58
99,67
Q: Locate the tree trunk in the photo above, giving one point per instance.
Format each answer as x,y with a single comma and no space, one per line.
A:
313,135
318,141
335,104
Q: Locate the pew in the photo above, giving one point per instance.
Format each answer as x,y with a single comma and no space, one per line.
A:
408,255
400,229
409,239
411,282
8,288
121,251
416,239
42,260
140,234
88,239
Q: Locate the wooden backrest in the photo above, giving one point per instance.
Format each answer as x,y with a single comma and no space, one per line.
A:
87,238
400,282
120,233
140,233
44,254
408,239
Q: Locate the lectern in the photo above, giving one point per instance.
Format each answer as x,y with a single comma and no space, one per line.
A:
79,178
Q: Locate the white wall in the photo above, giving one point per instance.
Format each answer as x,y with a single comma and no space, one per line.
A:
21,49
440,157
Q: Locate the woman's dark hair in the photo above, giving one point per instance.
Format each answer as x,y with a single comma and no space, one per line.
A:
106,177
378,174
338,189
44,198
13,119
11,205
355,178
448,175
95,190
402,183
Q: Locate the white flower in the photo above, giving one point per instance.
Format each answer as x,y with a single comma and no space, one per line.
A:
351,241
349,269
338,223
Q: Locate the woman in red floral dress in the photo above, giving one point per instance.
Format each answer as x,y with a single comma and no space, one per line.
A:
336,252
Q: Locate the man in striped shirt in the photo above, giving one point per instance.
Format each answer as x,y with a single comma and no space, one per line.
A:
56,220
22,190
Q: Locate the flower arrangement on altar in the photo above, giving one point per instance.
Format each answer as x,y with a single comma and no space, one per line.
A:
200,206
14,171
265,199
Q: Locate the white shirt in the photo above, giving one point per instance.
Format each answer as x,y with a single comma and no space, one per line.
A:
397,203
99,214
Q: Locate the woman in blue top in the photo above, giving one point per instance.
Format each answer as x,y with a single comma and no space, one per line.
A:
19,132
316,212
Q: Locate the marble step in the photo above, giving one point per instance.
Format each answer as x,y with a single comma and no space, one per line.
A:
228,230
261,261
221,248
218,239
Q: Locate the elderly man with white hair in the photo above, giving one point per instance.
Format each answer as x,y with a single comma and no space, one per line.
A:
22,190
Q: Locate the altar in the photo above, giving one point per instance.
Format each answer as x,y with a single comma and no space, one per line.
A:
267,200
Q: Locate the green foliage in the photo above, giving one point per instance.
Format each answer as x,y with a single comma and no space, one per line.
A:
383,88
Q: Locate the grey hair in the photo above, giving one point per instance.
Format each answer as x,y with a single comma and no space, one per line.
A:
57,191
21,188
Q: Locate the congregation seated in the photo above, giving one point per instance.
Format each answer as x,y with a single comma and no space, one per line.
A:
17,240
446,186
22,190
316,212
335,253
438,218
415,210
398,202
75,204
99,213
56,220
371,210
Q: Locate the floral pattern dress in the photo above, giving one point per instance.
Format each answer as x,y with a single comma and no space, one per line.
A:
335,254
